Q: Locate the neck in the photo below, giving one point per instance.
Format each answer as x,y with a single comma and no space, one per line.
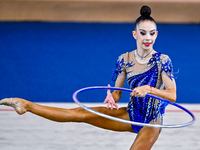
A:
143,54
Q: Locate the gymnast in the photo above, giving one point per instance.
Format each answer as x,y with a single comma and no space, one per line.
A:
147,72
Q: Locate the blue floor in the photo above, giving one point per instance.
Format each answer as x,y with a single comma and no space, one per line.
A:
47,62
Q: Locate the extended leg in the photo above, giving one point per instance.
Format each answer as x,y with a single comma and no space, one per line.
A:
76,115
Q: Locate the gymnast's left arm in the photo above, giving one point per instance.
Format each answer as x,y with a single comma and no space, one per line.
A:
169,92
168,79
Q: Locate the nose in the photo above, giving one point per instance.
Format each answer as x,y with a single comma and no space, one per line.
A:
148,37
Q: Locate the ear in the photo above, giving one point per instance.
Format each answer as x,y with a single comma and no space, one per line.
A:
134,34
156,34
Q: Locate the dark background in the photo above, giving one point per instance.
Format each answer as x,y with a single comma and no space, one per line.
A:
47,62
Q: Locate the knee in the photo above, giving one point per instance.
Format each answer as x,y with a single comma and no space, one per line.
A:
151,137
83,115
146,138
78,114
78,109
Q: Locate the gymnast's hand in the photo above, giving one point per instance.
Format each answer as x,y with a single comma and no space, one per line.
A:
110,99
140,91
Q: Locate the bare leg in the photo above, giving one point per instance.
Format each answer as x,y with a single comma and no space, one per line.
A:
146,137
76,115
144,140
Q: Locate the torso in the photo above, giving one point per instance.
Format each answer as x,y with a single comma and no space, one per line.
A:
139,74
144,109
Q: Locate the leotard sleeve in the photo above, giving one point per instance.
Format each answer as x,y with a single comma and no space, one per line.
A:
119,68
167,67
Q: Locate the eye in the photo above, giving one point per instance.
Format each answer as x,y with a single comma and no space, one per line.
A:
142,33
152,33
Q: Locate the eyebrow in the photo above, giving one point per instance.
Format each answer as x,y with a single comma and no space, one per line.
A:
145,30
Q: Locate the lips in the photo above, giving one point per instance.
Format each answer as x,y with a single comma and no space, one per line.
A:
147,44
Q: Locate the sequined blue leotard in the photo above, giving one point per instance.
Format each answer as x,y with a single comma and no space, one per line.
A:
144,109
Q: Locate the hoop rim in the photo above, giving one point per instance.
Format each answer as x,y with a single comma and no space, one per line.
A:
128,121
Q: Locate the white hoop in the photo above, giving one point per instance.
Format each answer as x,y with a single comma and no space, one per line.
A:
127,121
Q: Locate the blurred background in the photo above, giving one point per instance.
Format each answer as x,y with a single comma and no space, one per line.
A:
51,48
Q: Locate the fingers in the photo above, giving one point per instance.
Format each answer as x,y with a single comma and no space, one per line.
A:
108,104
105,101
116,106
138,92
133,93
111,102
111,107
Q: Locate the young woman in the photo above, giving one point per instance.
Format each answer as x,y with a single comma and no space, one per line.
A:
147,71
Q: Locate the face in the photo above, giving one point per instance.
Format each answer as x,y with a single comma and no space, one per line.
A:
145,35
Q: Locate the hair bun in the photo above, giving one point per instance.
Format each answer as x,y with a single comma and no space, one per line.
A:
145,11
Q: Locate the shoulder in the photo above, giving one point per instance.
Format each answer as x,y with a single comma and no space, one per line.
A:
167,66
165,58
157,56
126,56
160,59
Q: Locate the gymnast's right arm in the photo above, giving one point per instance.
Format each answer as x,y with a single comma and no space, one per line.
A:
113,98
119,83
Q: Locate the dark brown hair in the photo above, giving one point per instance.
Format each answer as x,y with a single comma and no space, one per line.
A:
145,12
